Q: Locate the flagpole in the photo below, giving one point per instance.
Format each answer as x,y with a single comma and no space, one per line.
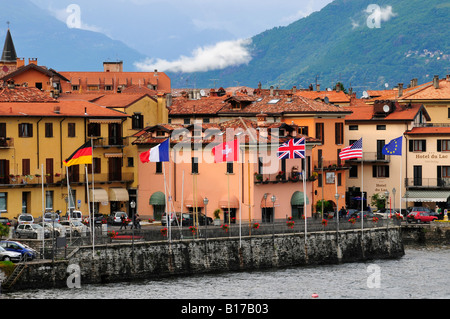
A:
68,202
304,202
93,194
89,209
43,210
168,218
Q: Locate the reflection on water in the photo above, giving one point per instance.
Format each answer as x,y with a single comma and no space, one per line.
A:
418,274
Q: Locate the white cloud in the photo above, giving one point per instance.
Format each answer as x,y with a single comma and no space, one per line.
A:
208,58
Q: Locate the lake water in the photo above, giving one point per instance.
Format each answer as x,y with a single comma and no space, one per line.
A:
421,273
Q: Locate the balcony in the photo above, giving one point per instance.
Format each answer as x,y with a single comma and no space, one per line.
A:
292,177
57,179
6,142
374,157
108,142
439,183
329,166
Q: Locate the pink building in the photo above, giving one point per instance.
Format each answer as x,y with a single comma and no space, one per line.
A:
191,175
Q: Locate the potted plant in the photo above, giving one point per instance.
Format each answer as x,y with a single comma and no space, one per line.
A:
324,222
164,232
255,225
112,234
225,227
280,176
290,222
258,178
217,217
375,219
193,229
352,220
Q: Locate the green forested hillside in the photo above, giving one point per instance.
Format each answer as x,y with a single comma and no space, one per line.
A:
337,44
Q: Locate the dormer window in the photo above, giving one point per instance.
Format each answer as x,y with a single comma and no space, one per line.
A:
160,134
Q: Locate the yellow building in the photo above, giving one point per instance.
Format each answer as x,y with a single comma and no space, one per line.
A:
37,134
377,124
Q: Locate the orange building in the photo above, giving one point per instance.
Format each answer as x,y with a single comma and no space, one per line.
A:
235,189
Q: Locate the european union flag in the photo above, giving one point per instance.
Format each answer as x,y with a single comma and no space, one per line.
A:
394,147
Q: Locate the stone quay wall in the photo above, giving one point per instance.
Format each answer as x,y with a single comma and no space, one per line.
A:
144,260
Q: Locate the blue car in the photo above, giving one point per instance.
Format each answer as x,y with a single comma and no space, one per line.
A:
28,253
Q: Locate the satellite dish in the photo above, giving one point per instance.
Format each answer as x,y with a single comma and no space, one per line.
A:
329,90
365,95
386,85
386,108
326,100
202,93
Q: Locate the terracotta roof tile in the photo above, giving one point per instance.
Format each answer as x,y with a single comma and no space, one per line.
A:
435,130
428,92
24,94
333,96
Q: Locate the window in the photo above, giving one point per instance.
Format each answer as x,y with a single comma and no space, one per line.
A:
94,129
75,87
49,200
380,146
26,166
25,130
159,168
381,127
353,172
3,202
446,171
194,169
48,129
443,145
137,121
206,120
303,130
319,180
353,127
187,121
97,166
229,167
108,87
71,130
380,171
320,132
339,133
130,161
417,145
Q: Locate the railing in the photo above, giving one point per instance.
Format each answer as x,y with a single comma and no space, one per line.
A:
110,142
6,142
372,157
427,182
33,180
431,125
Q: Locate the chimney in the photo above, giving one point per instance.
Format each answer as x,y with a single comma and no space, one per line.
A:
294,90
436,81
271,90
113,66
317,87
448,77
289,97
32,61
20,62
57,109
338,87
400,89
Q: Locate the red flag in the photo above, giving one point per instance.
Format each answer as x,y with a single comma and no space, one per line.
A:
226,152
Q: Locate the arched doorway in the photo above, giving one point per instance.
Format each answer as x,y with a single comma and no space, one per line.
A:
158,201
298,204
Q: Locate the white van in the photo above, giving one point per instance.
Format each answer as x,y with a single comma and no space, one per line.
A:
25,219
75,215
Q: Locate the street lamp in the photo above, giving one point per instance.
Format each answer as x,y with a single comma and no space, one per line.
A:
206,201
393,194
386,196
336,196
133,220
265,206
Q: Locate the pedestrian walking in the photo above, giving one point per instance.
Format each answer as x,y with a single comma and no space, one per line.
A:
123,222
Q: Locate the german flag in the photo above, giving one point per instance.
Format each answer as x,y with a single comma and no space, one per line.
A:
83,155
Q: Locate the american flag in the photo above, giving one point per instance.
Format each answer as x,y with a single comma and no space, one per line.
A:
294,148
352,151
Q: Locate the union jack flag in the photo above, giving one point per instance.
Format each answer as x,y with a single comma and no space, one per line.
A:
294,148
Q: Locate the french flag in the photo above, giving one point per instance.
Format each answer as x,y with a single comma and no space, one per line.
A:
159,153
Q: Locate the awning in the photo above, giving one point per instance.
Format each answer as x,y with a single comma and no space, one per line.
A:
105,121
100,195
267,202
298,199
118,195
234,202
158,199
189,201
109,155
426,195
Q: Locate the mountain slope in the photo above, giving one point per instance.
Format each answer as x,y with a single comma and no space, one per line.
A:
336,44
37,34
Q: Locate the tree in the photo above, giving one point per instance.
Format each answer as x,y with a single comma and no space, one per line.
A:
4,230
379,201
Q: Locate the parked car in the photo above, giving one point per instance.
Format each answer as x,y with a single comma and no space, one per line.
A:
5,221
174,219
50,217
386,214
366,214
74,215
188,219
420,217
12,256
115,218
25,219
351,213
77,228
31,231
27,253
53,227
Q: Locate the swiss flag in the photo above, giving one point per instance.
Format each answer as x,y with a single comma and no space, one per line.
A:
226,152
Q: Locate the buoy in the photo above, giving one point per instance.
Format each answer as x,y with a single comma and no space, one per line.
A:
315,295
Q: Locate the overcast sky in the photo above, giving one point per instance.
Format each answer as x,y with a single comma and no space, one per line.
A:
174,33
